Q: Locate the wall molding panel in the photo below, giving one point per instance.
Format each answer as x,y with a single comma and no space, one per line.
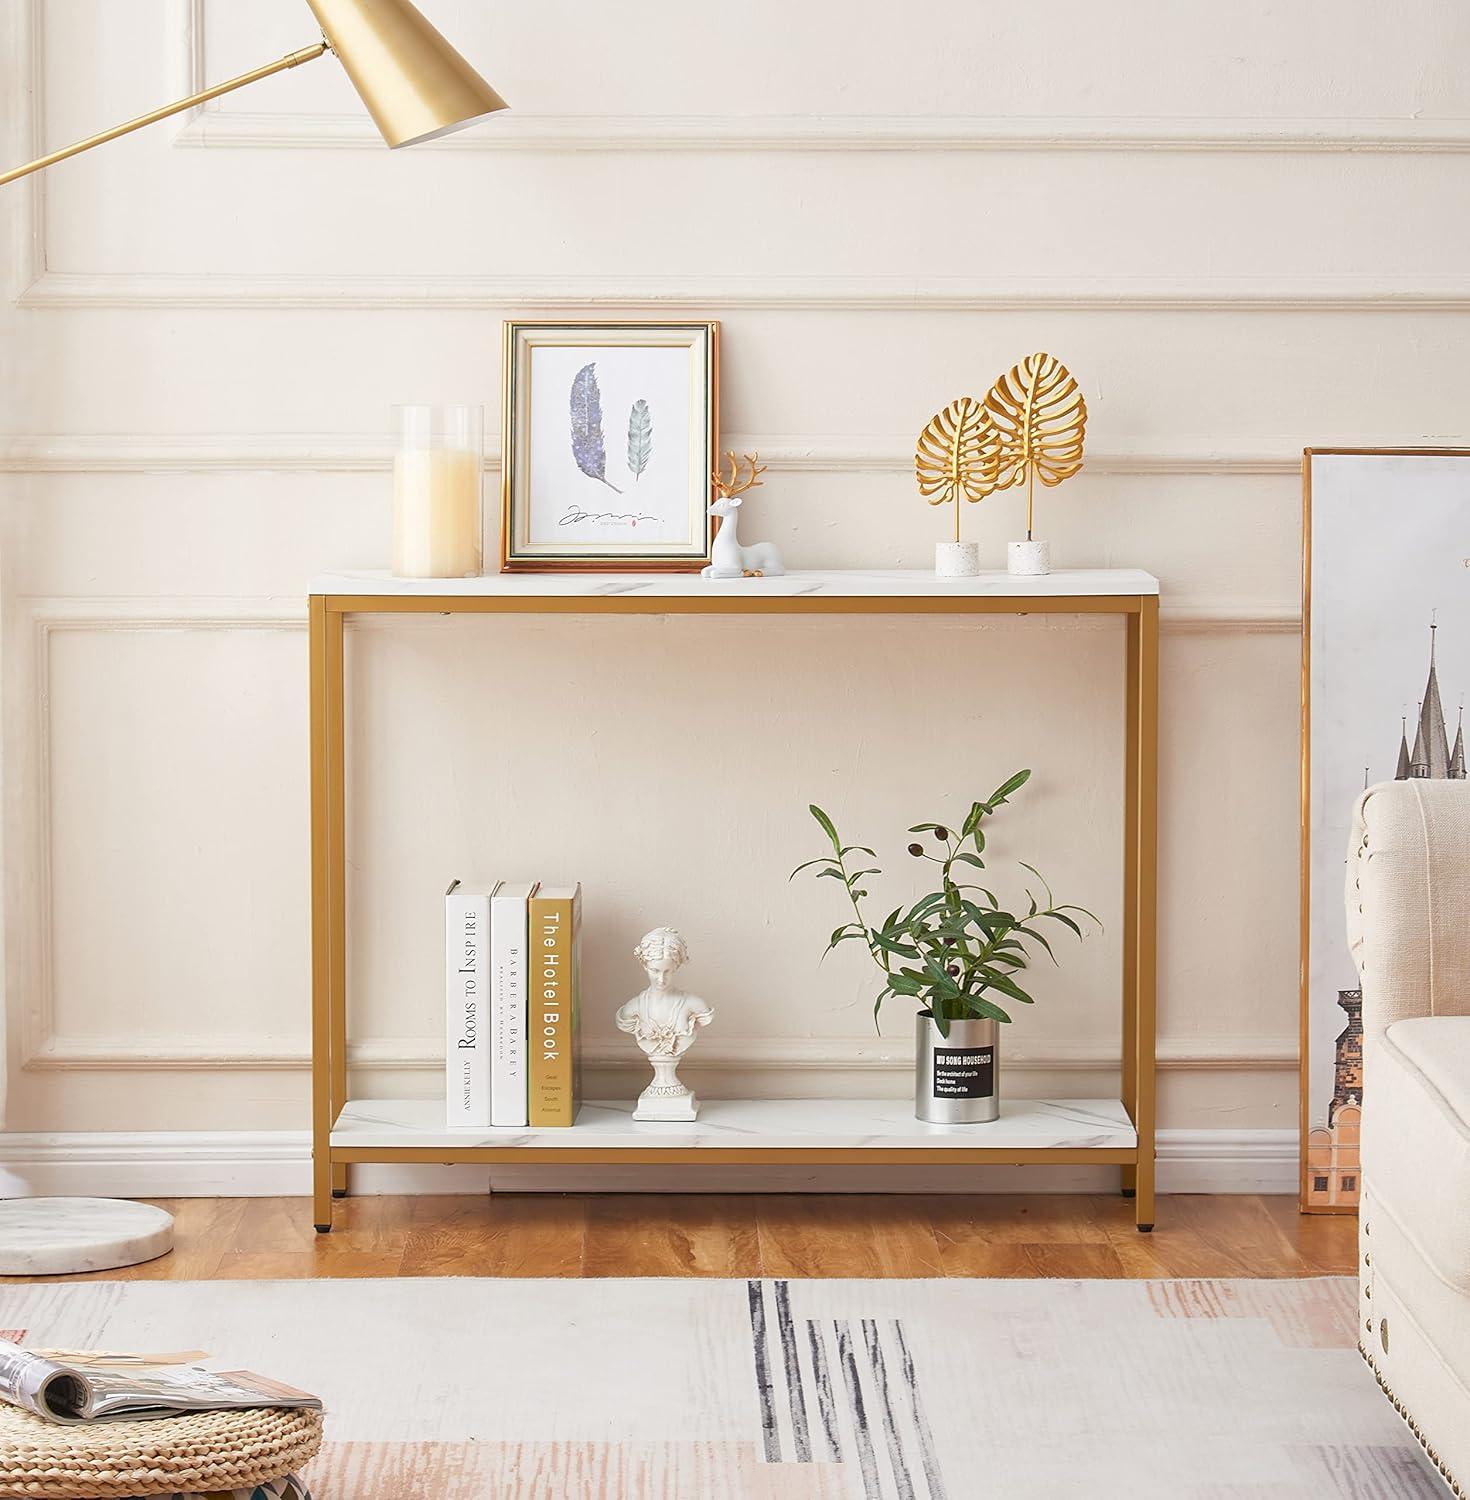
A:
223,125
352,453
722,294
45,618
725,1056
21,34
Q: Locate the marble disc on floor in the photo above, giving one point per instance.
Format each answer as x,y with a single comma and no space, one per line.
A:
59,1236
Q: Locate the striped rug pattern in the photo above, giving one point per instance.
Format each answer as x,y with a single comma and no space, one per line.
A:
441,1389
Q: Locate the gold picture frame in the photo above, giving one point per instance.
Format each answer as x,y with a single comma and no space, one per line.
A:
597,446
1333,1156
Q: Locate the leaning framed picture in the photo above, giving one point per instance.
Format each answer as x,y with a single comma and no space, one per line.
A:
1385,666
610,436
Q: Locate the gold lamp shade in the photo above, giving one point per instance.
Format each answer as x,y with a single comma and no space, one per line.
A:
415,85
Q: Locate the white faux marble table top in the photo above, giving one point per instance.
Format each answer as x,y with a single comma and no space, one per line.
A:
854,583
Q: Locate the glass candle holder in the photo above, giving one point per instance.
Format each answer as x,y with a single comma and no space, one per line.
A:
438,465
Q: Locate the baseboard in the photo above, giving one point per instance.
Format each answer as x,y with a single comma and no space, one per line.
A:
271,1163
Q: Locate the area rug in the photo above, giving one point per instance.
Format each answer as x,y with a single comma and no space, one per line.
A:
460,1389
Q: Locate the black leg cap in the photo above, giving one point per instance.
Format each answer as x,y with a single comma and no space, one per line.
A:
1130,1192
339,1192
324,1229
1145,1229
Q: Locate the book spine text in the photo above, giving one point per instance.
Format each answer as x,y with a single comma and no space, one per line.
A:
552,1012
508,916
466,1043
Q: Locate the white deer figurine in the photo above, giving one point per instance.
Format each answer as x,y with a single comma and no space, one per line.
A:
730,559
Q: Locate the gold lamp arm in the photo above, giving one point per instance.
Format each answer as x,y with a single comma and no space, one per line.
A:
291,60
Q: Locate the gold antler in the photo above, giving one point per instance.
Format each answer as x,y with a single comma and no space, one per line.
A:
725,488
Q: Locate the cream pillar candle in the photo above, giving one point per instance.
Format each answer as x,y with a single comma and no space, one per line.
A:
437,469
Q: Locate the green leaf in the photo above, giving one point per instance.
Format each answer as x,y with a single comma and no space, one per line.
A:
896,945
990,921
923,907
941,980
1061,916
1050,899
986,1010
995,980
1069,906
972,819
966,858
1004,790
807,866
1036,937
826,825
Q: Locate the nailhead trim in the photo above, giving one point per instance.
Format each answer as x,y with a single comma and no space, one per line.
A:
1413,1426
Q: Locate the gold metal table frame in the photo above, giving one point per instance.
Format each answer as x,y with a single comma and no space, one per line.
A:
328,612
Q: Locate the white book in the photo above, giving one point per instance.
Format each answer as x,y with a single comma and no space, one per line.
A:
508,1002
466,1011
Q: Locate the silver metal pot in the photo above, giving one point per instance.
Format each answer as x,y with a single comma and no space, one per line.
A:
956,1077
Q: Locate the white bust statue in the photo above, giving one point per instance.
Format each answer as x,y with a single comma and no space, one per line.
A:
662,1020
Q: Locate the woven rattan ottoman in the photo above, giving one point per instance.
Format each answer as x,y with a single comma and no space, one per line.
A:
255,1452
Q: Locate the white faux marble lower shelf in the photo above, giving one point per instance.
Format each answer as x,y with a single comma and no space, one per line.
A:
368,1128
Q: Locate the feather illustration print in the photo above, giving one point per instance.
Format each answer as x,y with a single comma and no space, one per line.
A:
640,438
588,447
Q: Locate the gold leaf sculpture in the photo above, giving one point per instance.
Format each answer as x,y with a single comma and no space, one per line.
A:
958,453
1040,420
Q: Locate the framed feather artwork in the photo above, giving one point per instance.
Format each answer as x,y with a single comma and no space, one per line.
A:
1385,672
610,434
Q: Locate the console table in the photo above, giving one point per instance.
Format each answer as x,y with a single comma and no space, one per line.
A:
1113,1131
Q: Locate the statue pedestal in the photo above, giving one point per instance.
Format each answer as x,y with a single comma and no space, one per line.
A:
666,1098
652,1106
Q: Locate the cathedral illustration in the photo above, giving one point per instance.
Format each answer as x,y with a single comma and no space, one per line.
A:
1332,1151
1431,758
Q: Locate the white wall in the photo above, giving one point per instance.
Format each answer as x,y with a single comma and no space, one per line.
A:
1243,227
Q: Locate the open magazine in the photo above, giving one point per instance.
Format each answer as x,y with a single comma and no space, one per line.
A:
131,1388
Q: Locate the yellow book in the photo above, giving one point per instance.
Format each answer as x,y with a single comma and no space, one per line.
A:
555,930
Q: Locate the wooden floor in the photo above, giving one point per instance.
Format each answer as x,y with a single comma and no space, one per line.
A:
788,1235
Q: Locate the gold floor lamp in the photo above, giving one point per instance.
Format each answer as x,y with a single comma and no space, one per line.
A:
416,87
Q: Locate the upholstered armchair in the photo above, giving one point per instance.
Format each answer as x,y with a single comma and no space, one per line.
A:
1408,910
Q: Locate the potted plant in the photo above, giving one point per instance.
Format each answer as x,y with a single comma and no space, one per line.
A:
957,952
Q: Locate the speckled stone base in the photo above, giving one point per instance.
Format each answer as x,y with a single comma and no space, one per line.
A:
61,1236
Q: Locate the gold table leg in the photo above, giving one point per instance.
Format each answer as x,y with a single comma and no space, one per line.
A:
321,996
1142,926
337,876
1130,887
